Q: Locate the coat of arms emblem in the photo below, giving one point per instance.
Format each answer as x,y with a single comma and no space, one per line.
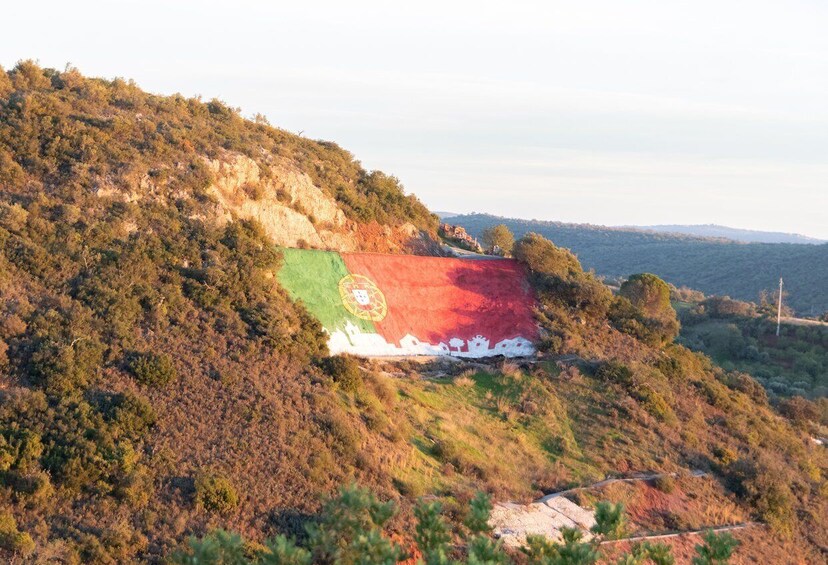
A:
362,298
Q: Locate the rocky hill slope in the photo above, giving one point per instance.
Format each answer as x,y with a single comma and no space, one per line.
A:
156,382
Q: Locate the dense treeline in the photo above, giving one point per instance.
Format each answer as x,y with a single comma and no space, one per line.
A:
713,266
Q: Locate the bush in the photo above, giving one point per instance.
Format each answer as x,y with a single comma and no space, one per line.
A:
498,237
799,410
748,385
716,550
665,483
344,370
349,530
132,414
653,402
615,372
215,493
542,256
610,520
153,370
12,539
767,489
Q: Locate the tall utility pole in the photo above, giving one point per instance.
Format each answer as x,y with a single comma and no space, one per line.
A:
779,309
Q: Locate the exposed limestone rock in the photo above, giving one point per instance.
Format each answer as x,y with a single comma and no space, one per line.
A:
296,213
581,516
291,209
513,522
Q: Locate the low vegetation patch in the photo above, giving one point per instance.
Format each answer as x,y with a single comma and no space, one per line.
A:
215,493
152,369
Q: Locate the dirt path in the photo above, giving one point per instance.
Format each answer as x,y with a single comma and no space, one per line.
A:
635,478
802,322
716,529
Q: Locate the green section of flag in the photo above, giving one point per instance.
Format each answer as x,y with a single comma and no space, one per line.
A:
312,277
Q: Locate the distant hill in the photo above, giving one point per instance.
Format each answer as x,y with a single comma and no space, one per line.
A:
715,266
442,215
736,234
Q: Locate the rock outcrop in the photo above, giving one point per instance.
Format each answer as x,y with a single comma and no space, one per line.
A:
513,522
296,213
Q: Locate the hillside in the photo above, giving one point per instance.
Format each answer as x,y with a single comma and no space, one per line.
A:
717,267
736,234
157,382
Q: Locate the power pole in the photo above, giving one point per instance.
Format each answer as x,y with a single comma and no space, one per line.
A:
779,309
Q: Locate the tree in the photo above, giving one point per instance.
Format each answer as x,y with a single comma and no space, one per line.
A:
499,239
544,257
649,293
716,550
610,520
480,508
651,296
432,534
351,526
216,548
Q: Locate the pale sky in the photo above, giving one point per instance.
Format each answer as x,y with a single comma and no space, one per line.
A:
606,112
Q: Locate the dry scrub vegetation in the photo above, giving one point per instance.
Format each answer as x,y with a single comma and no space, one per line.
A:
156,383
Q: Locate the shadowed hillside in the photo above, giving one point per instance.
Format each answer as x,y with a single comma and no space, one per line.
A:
713,266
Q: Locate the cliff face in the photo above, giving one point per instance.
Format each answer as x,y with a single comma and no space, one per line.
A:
289,207
296,213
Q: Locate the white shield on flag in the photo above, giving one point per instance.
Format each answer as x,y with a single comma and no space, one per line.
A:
361,296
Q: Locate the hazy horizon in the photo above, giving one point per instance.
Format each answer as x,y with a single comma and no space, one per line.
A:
637,114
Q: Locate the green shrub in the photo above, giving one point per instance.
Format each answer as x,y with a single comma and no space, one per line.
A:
432,533
765,486
615,372
216,548
344,370
670,367
12,539
131,414
542,256
283,551
215,493
610,520
152,370
65,351
799,410
653,402
748,385
349,529
716,550
480,508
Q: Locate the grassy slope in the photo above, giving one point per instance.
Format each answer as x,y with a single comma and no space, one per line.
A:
712,266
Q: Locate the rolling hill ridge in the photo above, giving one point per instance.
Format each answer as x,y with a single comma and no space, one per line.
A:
721,267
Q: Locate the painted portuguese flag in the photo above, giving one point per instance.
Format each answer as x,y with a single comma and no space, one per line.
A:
376,304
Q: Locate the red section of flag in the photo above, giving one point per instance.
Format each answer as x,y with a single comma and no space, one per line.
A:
436,299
